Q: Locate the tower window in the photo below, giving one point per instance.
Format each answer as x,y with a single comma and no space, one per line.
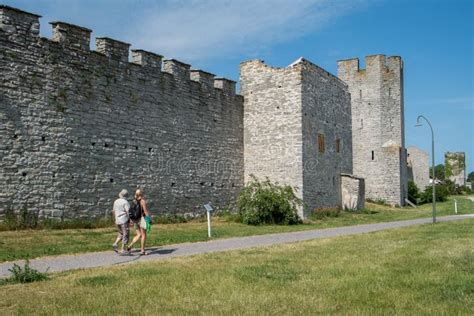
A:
361,123
389,92
372,155
321,146
338,145
360,94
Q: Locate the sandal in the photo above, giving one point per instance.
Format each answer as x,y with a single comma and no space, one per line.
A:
143,253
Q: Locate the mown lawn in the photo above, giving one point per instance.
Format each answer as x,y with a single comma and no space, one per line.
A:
36,243
421,270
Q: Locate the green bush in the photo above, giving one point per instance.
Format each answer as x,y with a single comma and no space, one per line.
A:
268,203
442,194
413,192
25,274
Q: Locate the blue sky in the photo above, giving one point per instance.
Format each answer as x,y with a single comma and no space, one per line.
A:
434,38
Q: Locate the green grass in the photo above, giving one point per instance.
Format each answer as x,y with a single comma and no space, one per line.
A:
37,243
421,270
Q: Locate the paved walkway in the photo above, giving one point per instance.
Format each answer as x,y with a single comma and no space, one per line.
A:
108,258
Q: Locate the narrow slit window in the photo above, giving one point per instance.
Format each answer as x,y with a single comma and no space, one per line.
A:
321,145
389,92
338,145
360,94
372,155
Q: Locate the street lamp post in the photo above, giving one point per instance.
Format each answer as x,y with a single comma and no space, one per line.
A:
432,162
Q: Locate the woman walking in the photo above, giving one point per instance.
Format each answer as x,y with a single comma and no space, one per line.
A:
140,223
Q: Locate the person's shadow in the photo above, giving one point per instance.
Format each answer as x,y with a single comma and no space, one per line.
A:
153,251
161,251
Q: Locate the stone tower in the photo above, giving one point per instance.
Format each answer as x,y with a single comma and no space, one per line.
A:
455,167
418,167
297,129
378,136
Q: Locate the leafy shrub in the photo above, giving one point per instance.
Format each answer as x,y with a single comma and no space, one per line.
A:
268,203
442,194
25,274
413,192
320,213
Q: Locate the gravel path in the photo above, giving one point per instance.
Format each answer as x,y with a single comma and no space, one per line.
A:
108,258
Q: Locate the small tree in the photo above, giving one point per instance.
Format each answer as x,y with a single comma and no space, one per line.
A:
441,194
470,177
268,203
439,172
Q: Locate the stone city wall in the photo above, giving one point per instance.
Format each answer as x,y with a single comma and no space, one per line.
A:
77,126
352,192
455,167
418,167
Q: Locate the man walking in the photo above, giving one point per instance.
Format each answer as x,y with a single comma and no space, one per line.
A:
120,211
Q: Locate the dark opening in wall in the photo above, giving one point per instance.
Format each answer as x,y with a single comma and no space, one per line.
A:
233,185
278,107
43,138
360,94
106,145
372,155
54,175
136,147
72,142
111,180
389,92
125,147
321,145
93,144
150,149
15,136
212,184
338,145
24,174
173,184
202,183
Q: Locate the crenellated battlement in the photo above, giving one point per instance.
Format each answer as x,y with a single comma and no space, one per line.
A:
22,27
374,64
146,59
71,36
91,122
19,25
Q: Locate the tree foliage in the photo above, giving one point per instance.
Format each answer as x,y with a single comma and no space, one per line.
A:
439,172
268,203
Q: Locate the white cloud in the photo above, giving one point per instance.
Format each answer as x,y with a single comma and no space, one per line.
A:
199,30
